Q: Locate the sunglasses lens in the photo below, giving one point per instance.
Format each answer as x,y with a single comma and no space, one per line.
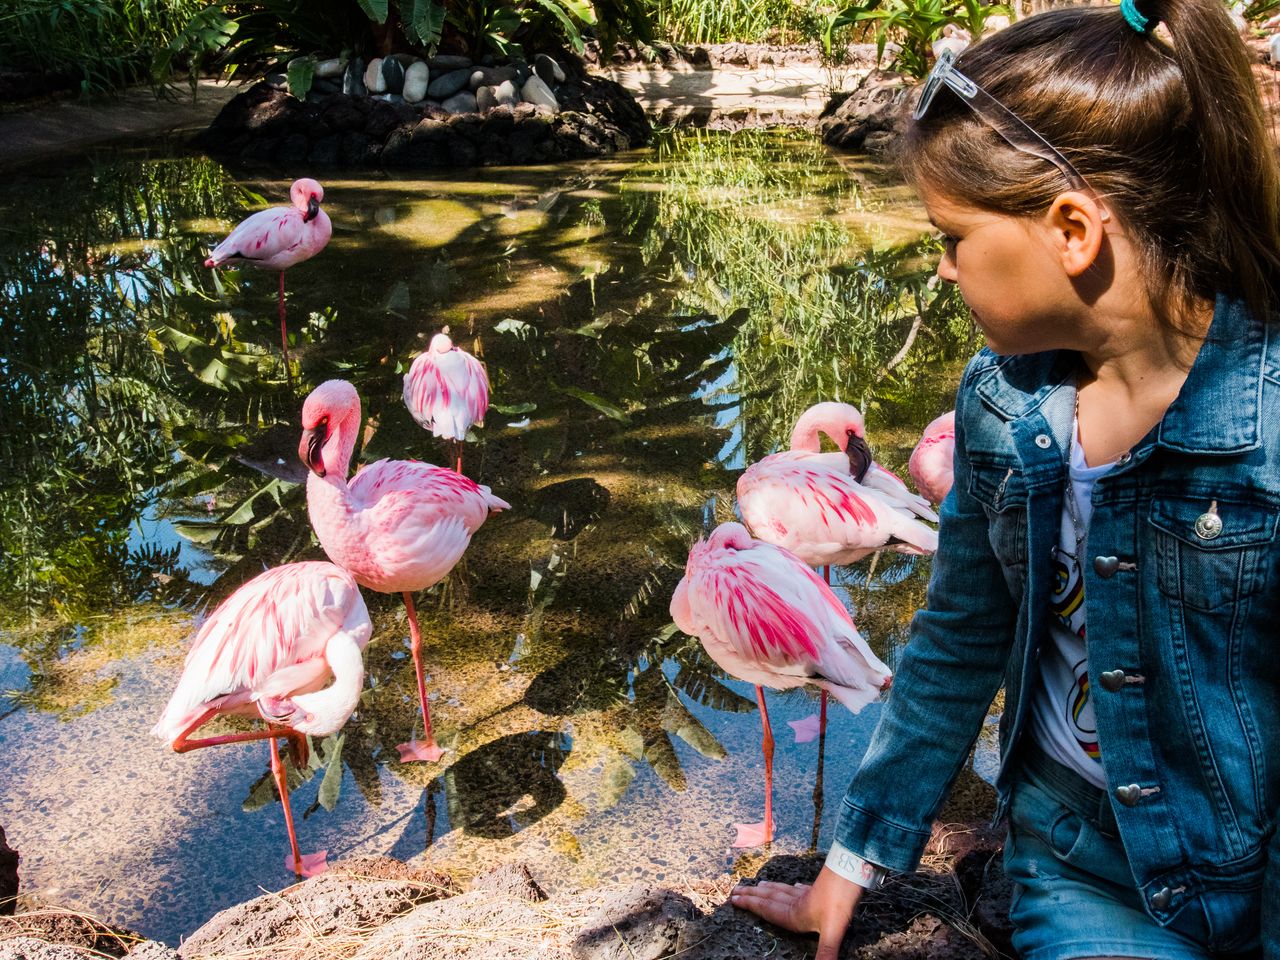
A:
937,77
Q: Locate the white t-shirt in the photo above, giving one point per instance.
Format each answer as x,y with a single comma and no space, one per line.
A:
1062,707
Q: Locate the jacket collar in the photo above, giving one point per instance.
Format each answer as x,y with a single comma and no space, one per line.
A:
1216,411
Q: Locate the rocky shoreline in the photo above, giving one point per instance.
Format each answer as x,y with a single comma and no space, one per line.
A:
377,908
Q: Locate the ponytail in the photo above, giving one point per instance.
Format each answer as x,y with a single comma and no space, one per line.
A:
1170,132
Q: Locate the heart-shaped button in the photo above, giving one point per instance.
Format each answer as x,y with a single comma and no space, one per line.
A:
1129,795
1111,680
1106,566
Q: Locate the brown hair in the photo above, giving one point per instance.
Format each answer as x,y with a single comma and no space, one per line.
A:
1172,136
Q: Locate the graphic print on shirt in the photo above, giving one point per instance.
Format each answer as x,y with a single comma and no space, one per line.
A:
1067,605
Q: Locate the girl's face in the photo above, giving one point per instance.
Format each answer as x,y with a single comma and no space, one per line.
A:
1008,273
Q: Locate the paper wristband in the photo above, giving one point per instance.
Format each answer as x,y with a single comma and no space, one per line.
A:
845,863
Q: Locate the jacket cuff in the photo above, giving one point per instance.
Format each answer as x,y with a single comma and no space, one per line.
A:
891,845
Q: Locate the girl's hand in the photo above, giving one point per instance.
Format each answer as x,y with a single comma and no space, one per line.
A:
824,908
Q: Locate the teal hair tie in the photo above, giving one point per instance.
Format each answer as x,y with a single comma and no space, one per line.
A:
1132,17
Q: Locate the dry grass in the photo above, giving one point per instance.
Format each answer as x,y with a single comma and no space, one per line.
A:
80,931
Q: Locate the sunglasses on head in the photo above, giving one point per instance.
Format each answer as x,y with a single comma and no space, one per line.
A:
997,116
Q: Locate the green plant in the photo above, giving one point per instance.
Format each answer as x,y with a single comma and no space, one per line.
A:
914,24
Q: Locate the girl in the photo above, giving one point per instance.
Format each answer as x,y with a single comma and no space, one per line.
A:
1109,200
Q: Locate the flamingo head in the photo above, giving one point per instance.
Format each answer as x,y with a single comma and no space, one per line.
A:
331,412
843,423
306,195
730,536
441,343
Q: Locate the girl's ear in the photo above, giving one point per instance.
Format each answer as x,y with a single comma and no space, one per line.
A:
1077,223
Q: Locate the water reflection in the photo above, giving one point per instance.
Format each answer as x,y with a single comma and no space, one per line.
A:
649,323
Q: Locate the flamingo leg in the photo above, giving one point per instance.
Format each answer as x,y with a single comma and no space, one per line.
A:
457,450
284,332
757,834
818,795
302,865
428,750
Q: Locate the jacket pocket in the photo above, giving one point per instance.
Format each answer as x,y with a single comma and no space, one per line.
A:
1211,553
1002,491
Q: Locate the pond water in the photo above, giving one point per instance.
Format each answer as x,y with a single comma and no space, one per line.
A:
650,324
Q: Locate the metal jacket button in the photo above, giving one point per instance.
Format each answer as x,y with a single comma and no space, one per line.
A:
1129,795
1106,566
1043,441
1111,680
1161,899
1124,458
1209,524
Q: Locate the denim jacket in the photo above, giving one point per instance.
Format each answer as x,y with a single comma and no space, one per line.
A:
1183,612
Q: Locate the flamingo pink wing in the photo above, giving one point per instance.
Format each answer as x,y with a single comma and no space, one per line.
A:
260,237
745,612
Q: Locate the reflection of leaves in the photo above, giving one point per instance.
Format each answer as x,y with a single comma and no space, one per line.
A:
570,505
578,685
700,679
597,402
614,780
331,785
678,720
216,367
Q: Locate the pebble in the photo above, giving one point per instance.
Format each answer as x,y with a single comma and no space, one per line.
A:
506,93
373,79
447,84
489,76
462,102
546,68
353,79
330,68
486,99
277,80
539,94
446,62
392,75
416,80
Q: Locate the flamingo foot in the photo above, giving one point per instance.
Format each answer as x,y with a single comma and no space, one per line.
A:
752,835
312,864
806,730
414,751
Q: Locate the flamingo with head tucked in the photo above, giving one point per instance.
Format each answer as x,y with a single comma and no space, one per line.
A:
446,391
268,651
398,526
832,508
277,238
767,619
931,464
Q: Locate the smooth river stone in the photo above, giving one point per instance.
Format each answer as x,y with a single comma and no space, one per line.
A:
330,68
447,84
539,94
373,80
416,80
486,100
393,75
490,76
506,93
447,61
548,69
353,79
464,101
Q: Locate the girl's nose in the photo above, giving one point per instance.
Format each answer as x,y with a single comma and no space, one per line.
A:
947,268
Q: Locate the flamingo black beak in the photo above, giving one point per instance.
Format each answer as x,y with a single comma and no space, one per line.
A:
859,454
309,450
313,209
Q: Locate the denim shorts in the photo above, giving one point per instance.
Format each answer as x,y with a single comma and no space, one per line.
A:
1074,894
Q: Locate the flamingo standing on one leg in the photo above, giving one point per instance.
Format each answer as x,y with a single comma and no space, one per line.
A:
277,238
831,508
267,651
767,619
399,526
932,461
447,390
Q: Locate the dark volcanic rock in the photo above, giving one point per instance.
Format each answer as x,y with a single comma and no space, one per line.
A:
636,923
8,876
358,893
869,118
268,126
68,928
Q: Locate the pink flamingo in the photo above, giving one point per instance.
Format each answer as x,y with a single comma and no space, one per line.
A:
832,508
931,464
267,651
399,526
769,620
277,238
447,390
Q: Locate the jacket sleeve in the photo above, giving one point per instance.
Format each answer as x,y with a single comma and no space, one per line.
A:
950,671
